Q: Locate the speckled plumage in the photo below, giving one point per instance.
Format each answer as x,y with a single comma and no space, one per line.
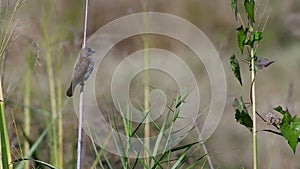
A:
83,69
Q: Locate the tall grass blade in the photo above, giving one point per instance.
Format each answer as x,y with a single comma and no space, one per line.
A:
60,116
27,94
4,138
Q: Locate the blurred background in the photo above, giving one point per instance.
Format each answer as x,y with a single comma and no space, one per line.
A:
49,36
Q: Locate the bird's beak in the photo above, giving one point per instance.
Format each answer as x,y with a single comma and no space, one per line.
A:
93,51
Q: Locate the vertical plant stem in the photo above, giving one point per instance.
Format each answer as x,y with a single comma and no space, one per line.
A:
85,22
146,86
27,119
4,138
79,140
146,103
47,41
60,117
253,109
81,92
54,149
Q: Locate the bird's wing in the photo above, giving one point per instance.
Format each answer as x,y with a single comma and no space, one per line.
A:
89,70
80,70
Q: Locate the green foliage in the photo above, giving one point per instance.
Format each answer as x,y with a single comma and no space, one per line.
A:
234,7
242,34
9,21
30,60
255,36
250,38
249,7
241,113
239,104
243,39
243,118
165,159
289,127
4,138
179,101
235,66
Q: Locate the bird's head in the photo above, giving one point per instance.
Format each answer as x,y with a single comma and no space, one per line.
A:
86,52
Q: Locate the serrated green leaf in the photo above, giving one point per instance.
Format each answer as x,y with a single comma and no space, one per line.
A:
291,132
280,110
236,68
243,118
241,113
249,7
234,8
254,37
241,37
286,114
289,127
257,35
239,104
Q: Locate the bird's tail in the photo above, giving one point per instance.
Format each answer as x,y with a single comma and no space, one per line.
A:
70,90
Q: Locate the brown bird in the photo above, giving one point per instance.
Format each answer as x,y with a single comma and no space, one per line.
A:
83,69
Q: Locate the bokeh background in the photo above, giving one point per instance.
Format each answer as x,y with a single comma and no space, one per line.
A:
58,25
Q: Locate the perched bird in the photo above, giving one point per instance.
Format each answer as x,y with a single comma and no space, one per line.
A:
83,69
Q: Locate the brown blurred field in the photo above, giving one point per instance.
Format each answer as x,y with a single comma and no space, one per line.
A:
231,144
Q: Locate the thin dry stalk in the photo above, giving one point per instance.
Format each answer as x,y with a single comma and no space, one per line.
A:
79,140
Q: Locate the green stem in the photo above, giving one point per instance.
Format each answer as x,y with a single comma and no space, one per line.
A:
27,120
4,138
253,109
146,97
47,41
54,153
59,105
146,86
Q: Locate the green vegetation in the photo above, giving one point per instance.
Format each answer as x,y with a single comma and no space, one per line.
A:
40,40
249,37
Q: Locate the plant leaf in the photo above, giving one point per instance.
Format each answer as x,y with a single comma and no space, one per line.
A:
244,119
241,37
291,132
241,113
249,7
289,127
261,63
236,68
286,114
239,104
254,37
234,8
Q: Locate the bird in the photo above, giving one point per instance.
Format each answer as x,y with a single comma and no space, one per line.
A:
83,69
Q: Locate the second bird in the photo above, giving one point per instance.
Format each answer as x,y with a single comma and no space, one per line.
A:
83,69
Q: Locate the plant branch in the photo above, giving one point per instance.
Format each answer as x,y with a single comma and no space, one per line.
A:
266,120
79,140
253,100
275,132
